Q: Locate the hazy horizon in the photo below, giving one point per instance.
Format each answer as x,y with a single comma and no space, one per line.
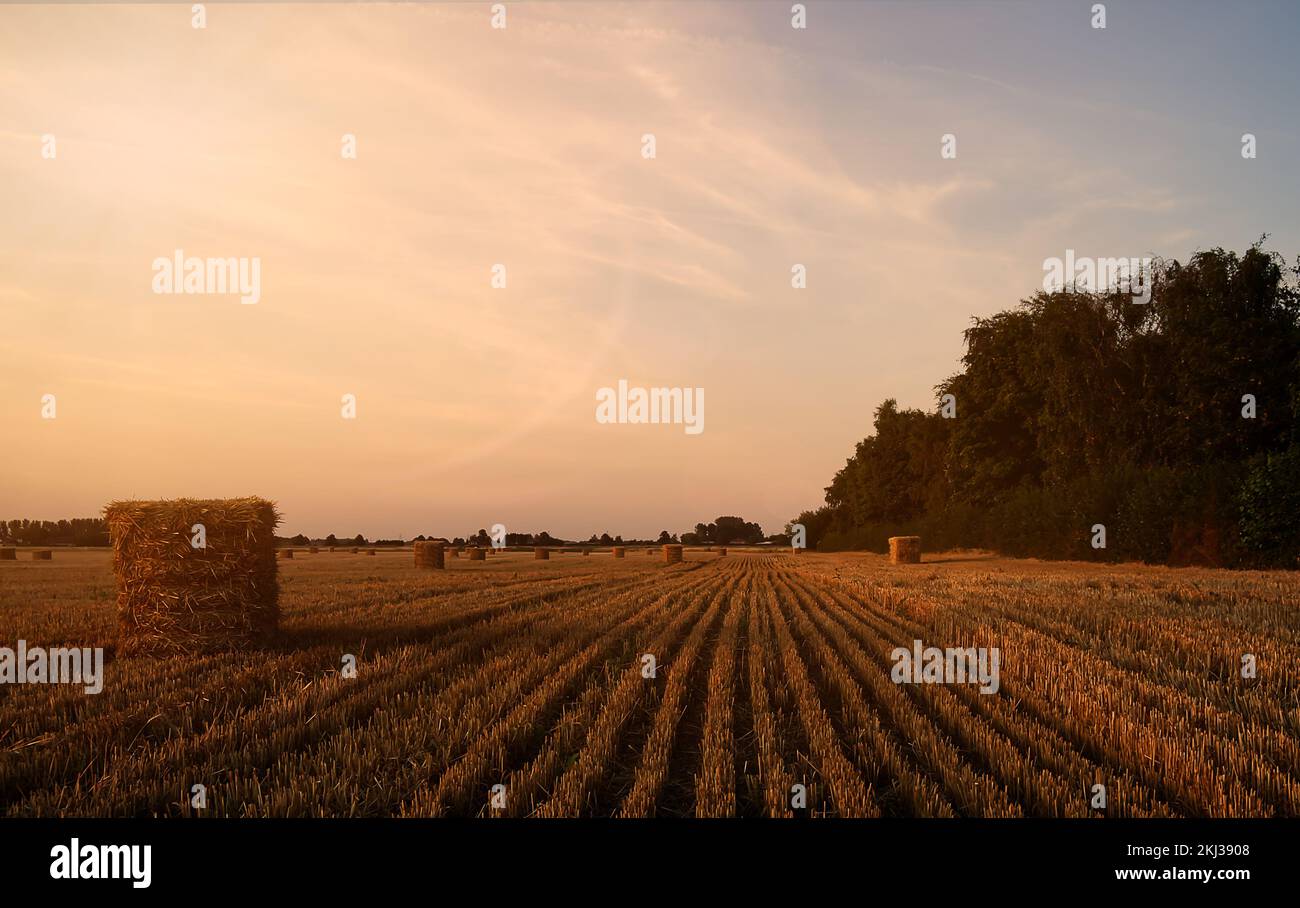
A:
523,146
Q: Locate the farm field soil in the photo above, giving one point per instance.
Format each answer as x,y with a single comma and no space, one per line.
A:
771,671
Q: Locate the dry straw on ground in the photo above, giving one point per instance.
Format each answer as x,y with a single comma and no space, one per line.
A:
541,554
672,554
478,555
8,554
904,549
174,598
429,555
42,555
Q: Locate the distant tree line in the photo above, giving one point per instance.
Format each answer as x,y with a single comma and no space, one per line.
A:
483,539
93,531
724,531
78,531
1173,425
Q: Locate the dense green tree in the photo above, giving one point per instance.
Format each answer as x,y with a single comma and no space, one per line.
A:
1171,421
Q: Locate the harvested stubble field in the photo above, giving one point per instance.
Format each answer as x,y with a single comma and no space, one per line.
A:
772,671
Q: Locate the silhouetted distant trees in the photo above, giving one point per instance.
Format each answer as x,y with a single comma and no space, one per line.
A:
1174,424
77,531
725,531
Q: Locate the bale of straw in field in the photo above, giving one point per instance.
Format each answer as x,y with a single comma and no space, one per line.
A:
370,551
8,554
429,555
331,548
586,551
173,598
619,551
541,554
672,554
355,550
42,555
477,554
455,552
314,550
722,550
286,553
904,549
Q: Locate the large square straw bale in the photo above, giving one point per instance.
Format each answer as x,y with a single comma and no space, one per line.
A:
173,598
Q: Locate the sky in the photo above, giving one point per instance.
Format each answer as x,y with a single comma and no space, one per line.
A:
523,146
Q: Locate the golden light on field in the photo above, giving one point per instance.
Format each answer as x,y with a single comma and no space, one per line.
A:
770,671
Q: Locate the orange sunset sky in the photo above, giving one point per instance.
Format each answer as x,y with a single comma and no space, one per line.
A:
522,146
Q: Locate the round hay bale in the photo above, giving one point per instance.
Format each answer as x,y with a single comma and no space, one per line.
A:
286,554
42,555
619,551
722,550
174,599
429,555
586,551
672,554
355,550
541,554
314,550
477,554
904,549
331,548
8,554
370,551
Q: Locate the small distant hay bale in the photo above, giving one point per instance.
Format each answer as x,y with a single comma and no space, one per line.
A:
174,599
315,550
586,551
619,551
455,553
355,550
42,555
672,554
477,554
541,554
722,550
331,548
904,549
286,554
429,555
370,551
8,554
